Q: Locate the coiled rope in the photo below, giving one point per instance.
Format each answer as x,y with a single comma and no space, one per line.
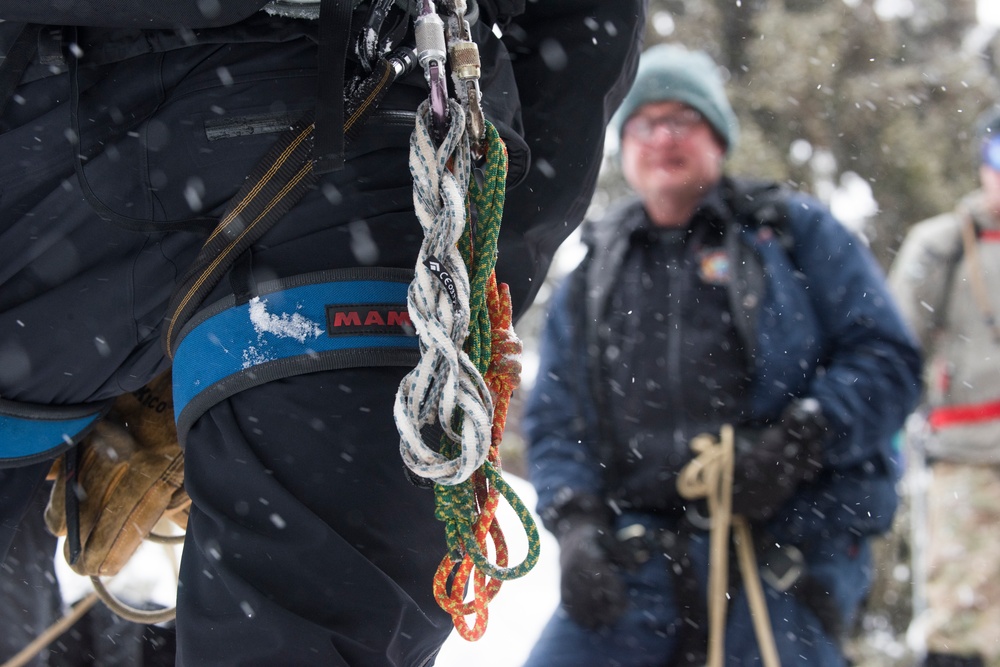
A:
468,368
710,475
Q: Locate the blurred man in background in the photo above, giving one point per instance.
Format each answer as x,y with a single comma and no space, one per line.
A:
707,301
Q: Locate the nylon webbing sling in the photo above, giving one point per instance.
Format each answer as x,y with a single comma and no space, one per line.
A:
276,184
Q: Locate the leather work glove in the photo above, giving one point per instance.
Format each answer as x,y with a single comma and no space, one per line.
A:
592,589
130,474
771,462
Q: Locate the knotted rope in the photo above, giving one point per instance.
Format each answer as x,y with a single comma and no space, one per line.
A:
470,360
710,475
445,387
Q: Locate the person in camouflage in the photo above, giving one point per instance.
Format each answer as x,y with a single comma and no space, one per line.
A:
947,280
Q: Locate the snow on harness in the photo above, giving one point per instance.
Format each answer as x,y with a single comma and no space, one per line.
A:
468,365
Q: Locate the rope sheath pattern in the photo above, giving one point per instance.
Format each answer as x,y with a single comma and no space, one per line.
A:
445,387
470,353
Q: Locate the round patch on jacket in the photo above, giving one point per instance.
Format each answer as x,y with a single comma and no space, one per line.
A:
714,268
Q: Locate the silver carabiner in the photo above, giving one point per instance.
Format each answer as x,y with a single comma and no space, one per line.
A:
432,51
466,68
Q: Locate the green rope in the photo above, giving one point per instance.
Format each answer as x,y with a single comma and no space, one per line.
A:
456,505
479,250
457,510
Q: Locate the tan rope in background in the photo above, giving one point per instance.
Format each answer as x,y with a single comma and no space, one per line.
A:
710,475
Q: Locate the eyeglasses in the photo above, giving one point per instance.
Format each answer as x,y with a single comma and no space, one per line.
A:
678,124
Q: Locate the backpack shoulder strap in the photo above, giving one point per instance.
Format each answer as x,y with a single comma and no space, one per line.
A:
977,282
757,203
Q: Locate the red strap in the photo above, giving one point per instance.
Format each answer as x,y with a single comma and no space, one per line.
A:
964,414
989,235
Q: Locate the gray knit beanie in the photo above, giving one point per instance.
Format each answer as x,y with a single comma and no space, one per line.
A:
671,73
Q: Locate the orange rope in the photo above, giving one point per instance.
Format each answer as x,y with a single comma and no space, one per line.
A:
452,576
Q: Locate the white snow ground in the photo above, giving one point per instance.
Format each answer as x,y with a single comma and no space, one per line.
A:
517,614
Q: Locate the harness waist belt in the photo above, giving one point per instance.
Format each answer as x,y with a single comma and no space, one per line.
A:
328,320
30,433
958,415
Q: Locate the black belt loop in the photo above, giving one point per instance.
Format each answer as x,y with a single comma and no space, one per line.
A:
241,278
71,466
334,37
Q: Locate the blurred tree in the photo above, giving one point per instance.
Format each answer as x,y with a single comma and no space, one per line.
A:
888,90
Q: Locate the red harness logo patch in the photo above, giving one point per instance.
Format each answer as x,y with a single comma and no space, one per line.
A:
369,318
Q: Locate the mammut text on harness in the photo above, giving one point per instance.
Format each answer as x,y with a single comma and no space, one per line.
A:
468,350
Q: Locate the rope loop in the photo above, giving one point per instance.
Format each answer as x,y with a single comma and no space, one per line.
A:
478,555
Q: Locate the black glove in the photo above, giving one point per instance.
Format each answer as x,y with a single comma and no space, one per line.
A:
771,462
593,592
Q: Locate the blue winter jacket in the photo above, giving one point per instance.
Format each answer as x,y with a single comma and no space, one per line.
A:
816,319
